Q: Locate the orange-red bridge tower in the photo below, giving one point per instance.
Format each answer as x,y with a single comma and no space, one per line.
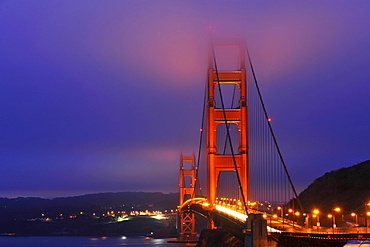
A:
216,160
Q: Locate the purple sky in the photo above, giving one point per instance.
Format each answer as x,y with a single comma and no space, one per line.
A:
104,95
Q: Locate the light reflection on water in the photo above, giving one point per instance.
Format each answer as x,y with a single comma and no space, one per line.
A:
69,241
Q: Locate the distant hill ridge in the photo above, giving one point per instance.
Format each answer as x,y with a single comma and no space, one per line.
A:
88,215
348,188
25,206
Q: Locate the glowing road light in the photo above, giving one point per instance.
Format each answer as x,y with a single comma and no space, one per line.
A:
290,210
316,211
330,216
233,213
121,218
353,214
270,229
337,209
297,213
158,217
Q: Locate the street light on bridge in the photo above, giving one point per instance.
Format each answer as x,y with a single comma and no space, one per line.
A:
290,211
366,216
314,216
332,216
355,215
316,213
337,210
366,219
297,214
282,214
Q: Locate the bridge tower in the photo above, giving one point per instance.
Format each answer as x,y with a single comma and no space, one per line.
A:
187,229
216,161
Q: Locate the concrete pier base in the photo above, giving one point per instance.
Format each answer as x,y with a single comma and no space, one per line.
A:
256,234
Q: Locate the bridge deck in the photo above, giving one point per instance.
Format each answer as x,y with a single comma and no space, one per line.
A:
235,223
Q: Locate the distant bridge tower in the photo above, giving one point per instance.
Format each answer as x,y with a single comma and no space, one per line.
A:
187,230
216,161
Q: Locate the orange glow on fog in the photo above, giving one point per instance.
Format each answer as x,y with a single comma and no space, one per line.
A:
170,50
281,56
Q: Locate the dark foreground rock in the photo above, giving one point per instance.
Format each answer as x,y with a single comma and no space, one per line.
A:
218,238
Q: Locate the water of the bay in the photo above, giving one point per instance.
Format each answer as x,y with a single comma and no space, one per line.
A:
66,241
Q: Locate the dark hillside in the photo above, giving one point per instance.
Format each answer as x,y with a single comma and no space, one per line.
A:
31,207
348,188
93,214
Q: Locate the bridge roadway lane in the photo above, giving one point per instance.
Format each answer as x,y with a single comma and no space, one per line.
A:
231,224
237,227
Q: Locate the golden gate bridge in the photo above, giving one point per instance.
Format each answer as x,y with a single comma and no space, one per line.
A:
249,191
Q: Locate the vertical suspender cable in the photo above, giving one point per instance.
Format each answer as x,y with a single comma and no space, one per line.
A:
200,144
273,135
